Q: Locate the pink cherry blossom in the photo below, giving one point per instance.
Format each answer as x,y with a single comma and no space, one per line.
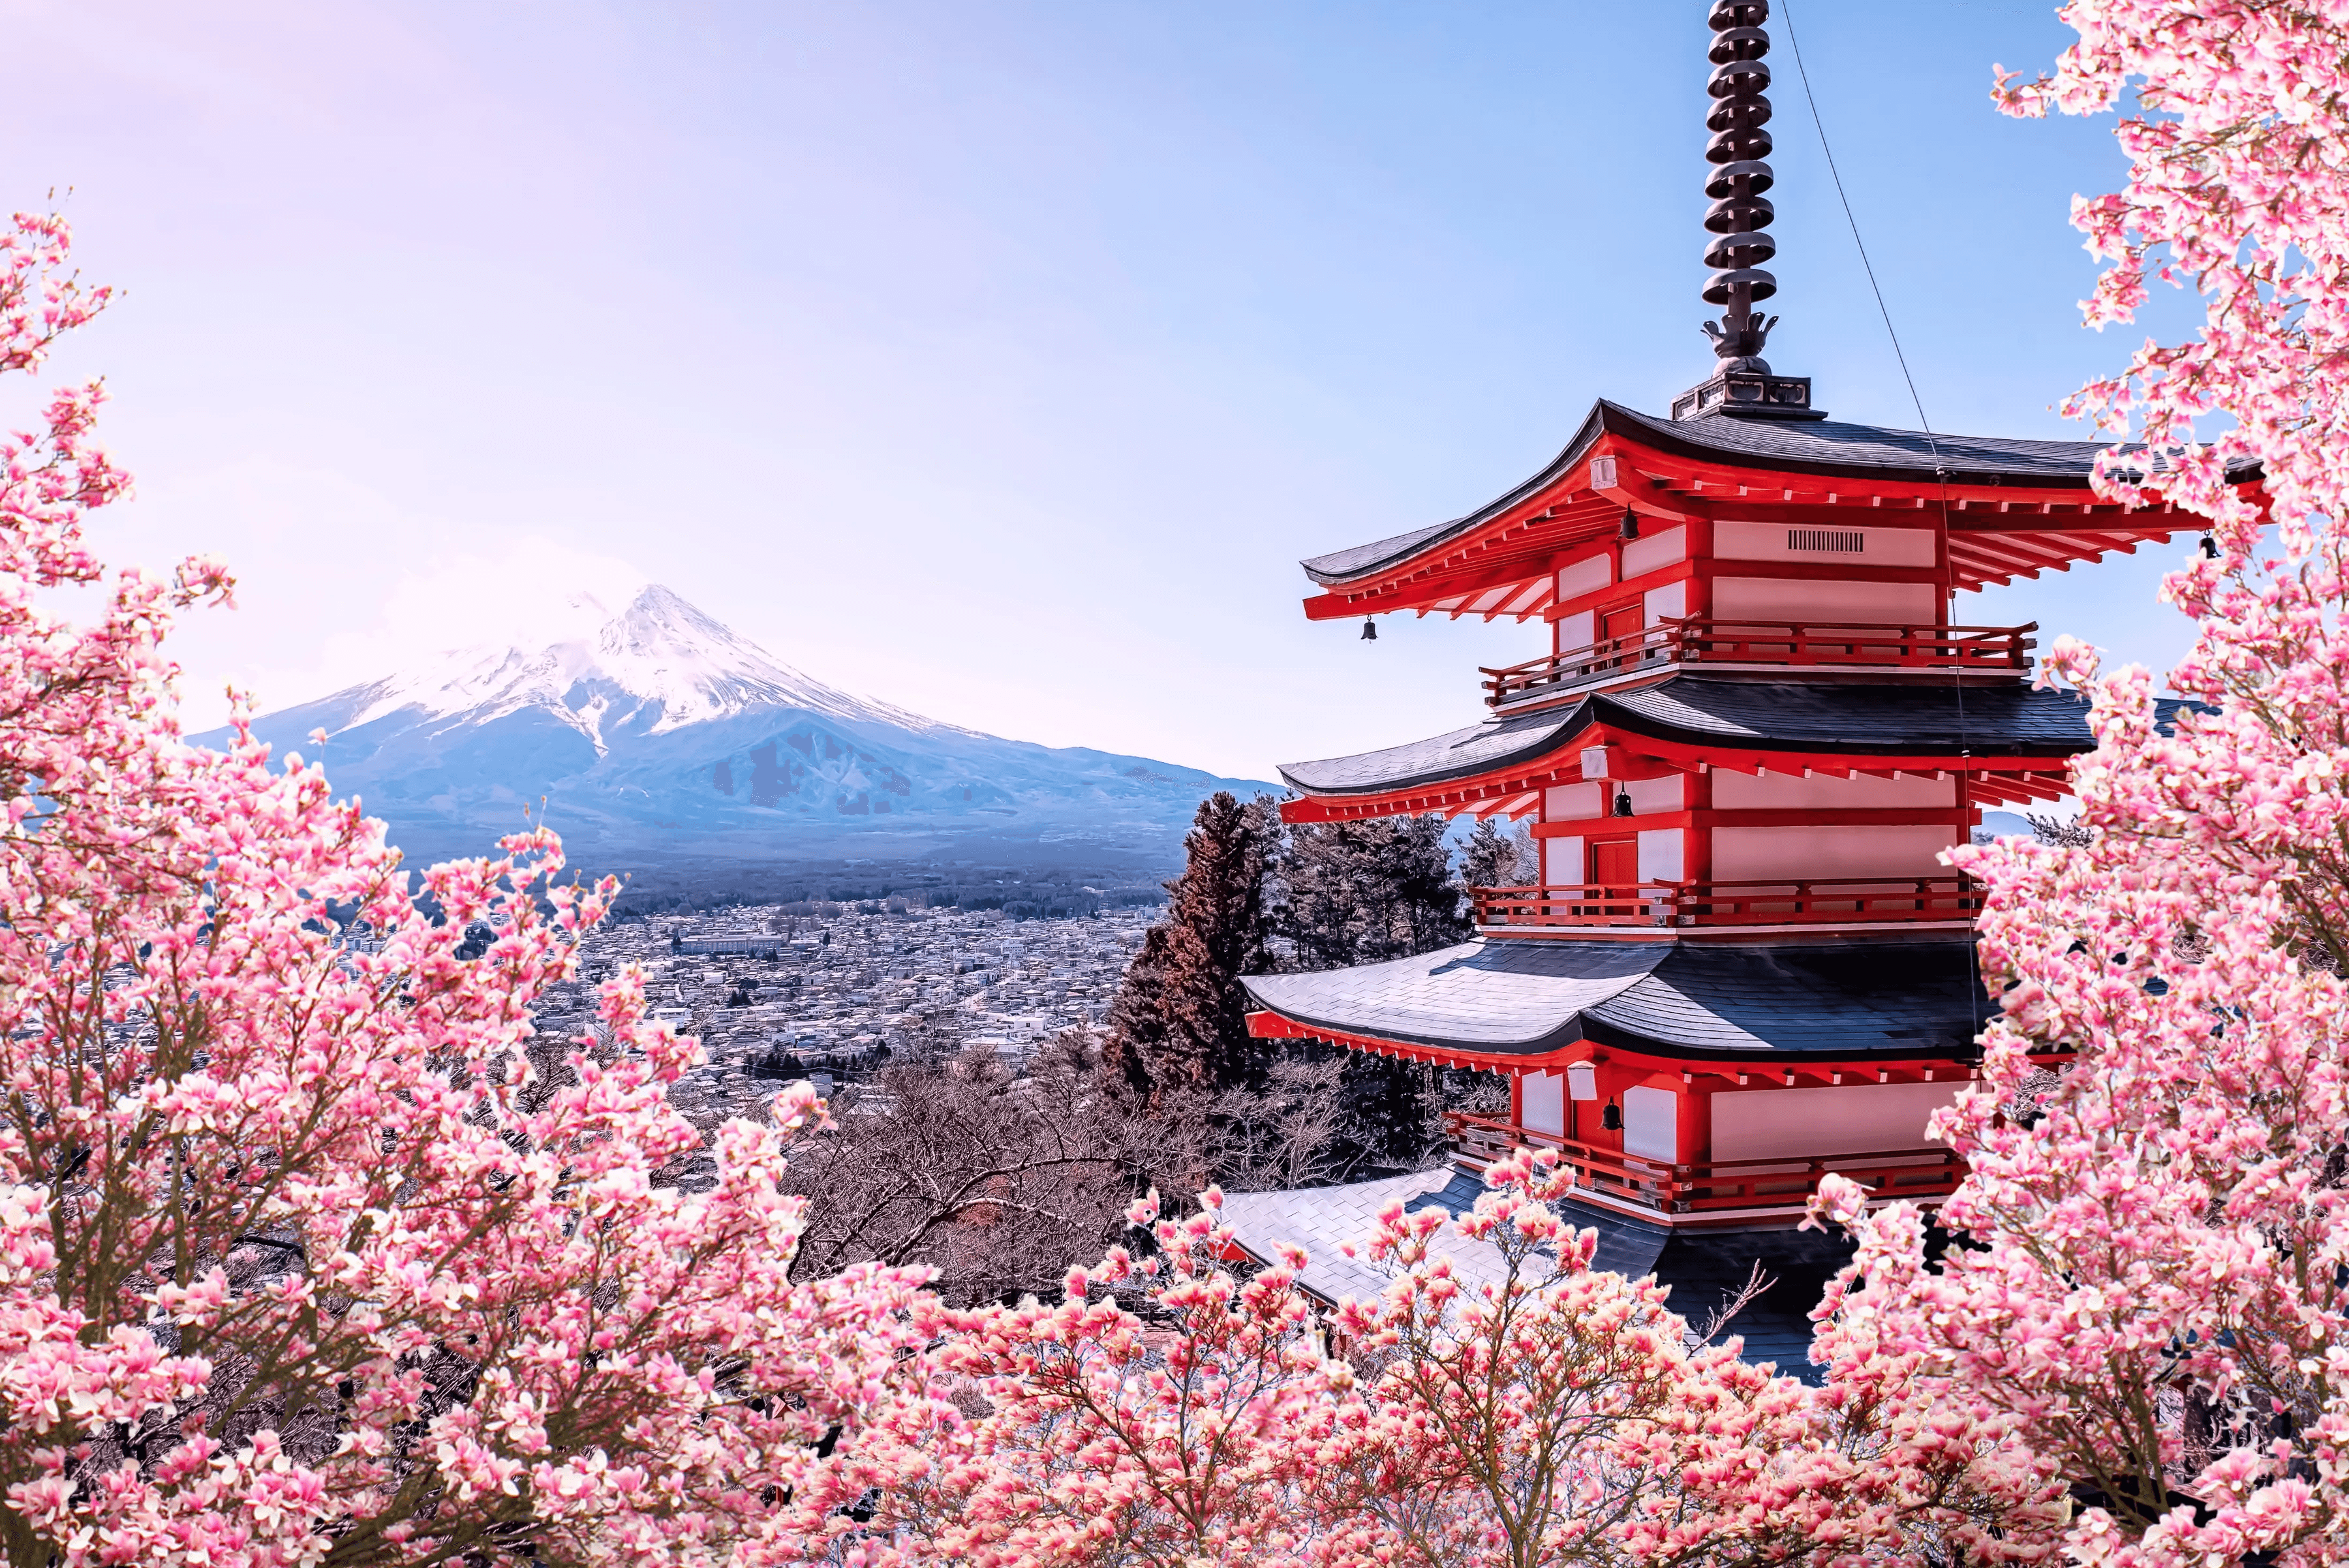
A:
302,1258
2149,1284
1555,1413
307,1257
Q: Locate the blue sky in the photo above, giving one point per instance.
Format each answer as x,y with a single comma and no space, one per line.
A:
997,360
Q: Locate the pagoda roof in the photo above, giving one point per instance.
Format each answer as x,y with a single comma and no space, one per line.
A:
2035,495
1813,719
1702,1268
1829,448
1890,1000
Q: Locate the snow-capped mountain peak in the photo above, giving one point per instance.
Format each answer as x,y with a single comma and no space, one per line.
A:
657,664
642,729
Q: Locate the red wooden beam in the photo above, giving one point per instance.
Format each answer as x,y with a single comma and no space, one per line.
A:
1576,507
1616,474
1454,796
1266,1025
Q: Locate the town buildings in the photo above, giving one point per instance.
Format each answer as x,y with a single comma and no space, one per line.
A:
819,990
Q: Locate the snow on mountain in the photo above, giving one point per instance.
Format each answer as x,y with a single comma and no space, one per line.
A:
657,664
653,728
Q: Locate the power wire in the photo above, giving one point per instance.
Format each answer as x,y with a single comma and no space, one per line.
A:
1803,75
1941,472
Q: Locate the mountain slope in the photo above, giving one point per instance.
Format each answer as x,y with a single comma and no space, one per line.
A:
656,730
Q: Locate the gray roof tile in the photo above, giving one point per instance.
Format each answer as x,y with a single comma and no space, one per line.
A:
1323,1220
1837,446
1829,447
1826,718
1893,998
1340,564
1503,996
1916,716
1705,1269
1460,753
1701,1268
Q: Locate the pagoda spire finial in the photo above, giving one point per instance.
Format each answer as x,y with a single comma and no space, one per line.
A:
1738,222
1740,213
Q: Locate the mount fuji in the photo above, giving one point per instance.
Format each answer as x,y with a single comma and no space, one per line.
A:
652,730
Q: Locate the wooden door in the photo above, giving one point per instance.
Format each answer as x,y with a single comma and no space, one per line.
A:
1615,864
1616,867
1619,629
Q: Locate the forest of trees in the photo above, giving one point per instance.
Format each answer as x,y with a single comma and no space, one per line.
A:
1260,895
1000,1180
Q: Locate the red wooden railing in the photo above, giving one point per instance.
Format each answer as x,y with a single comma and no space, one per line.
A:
1696,1187
1839,901
1991,649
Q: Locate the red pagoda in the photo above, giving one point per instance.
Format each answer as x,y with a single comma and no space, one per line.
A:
1755,735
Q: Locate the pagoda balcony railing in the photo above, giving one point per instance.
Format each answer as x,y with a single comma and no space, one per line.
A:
1692,639
1839,901
1672,1188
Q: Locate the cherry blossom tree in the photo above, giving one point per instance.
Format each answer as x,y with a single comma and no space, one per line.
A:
2236,168
2151,1283
1545,1412
1099,1437
300,1262
1559,1413
1530,1416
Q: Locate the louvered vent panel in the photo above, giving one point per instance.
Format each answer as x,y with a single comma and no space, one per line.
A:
1850,541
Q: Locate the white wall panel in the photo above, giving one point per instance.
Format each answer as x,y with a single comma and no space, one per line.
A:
1861,1119
1783,792
1650,551
1825,603
1651,796
1585,577
1662,854
1573,803
1772,854
1562,862
1542,1102
1768,542
1652,1123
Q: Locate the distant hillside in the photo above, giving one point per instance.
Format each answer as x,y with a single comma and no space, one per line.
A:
656,734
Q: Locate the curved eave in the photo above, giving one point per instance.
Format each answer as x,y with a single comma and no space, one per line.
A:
1574,1044
1506,1005
1363,561
1493,750
2016,508
2014,743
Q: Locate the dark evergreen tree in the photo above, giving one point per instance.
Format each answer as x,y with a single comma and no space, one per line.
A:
1361,892
1336,895
1180,1021
1495,857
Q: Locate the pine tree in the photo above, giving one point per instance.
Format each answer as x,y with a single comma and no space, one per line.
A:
1361,892
1180,1021
1494,858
